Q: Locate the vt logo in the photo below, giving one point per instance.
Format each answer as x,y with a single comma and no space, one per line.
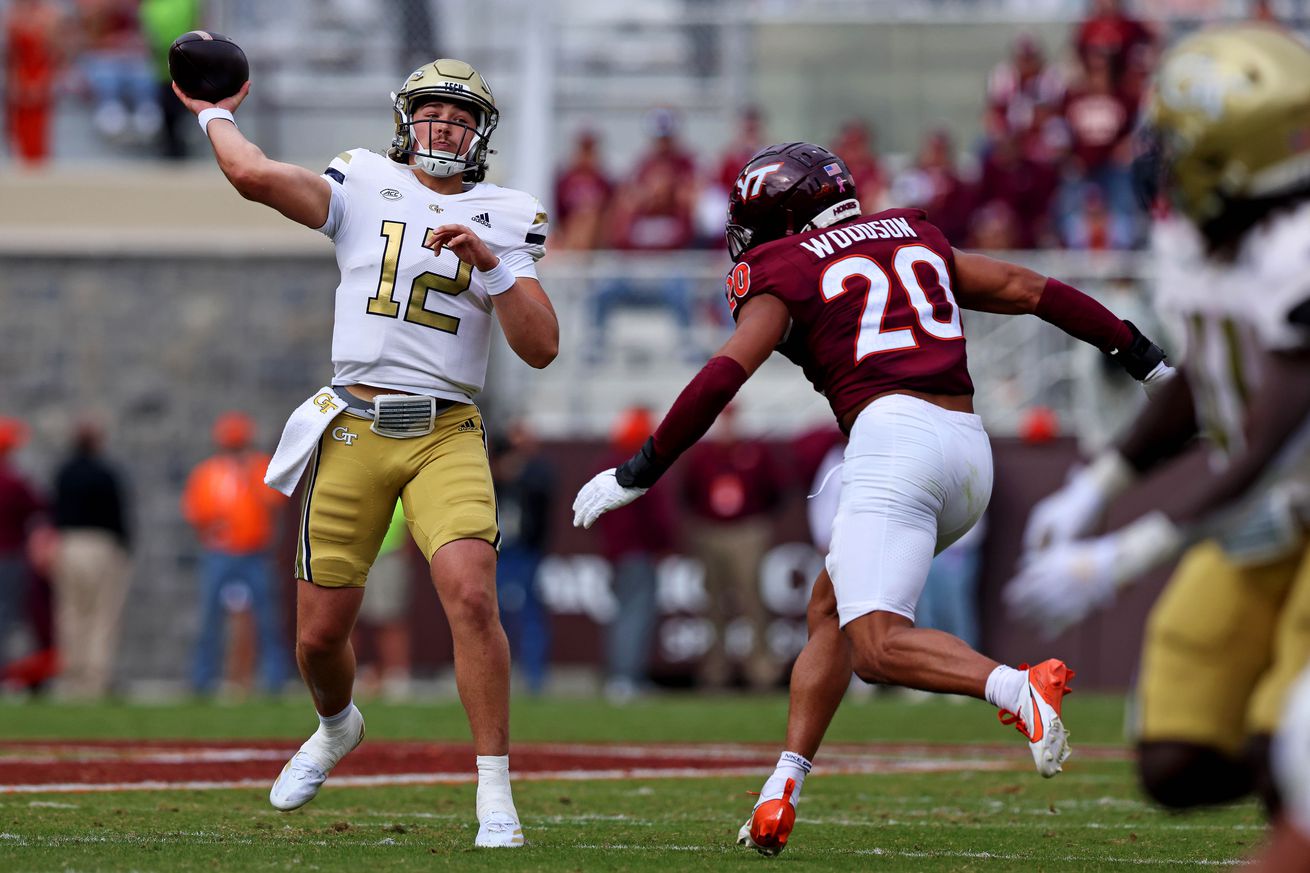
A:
749,184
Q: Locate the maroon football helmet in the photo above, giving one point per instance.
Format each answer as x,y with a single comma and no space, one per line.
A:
785,189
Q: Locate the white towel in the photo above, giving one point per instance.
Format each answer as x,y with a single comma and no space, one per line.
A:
299,437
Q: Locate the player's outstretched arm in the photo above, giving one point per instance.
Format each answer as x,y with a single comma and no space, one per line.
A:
989,285
761,324
301,195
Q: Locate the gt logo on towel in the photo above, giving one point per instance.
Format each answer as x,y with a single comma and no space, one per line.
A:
325,402
342,435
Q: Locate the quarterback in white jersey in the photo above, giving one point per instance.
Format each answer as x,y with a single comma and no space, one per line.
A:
429,255
380,210
1230,131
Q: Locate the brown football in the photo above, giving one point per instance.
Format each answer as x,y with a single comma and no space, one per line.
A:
207,66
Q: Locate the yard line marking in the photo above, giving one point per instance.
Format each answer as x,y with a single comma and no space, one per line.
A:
897,853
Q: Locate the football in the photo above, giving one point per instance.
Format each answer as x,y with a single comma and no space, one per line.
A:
207,66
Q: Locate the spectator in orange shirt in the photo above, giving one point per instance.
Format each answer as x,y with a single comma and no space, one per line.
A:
234,514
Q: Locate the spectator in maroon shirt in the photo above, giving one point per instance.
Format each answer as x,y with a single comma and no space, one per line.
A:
633,539
1026,187
1100,119
1017,87
652,212
993,228
933,185
854,145
1108,30
582,197
20,509
748,140
665,149
731,487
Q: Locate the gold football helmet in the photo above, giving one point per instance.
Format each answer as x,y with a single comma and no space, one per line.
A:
450,80
1231,109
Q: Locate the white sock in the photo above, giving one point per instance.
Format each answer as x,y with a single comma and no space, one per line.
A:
1006,688
493,786
334,725
790,766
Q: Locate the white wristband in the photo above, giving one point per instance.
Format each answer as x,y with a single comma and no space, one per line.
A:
498,279
208,115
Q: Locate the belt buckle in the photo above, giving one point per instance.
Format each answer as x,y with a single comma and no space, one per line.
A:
403,416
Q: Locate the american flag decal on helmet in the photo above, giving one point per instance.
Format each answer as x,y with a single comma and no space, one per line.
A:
833,169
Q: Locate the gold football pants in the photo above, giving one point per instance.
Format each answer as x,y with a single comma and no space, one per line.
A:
443,479
1223,644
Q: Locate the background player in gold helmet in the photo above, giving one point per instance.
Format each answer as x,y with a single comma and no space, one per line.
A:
1230,121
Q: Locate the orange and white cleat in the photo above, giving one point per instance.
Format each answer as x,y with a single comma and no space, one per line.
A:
770,824
1038,717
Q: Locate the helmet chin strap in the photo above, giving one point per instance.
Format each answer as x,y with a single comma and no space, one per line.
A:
837,212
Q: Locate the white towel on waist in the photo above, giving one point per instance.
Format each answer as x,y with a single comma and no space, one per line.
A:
299,437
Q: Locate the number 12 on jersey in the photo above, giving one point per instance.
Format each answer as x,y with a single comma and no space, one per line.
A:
872,338
416,312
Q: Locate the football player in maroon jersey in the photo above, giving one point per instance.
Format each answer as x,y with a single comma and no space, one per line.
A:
869,307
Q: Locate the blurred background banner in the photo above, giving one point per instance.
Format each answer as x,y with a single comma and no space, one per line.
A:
140,291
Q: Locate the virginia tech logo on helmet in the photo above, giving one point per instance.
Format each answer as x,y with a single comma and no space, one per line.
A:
751,182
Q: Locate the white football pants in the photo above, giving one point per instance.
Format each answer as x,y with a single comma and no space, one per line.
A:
915,478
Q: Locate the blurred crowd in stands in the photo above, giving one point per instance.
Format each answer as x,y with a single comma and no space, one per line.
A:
1051,169
112,54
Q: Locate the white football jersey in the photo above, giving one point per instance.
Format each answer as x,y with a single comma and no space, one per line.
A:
1227,313
406,317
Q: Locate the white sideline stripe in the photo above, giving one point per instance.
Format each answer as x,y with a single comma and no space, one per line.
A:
1096,859
878,767
898,853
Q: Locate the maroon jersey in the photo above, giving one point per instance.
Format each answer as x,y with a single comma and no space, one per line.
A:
871,305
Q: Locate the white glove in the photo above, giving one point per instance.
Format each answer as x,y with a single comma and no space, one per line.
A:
1074,510
599,496
1060,586
1157,379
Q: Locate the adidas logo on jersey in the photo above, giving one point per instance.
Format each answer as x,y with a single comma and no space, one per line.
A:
468,422
483,219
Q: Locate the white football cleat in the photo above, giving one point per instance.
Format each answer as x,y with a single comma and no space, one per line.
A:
499,830
304,774
1038,717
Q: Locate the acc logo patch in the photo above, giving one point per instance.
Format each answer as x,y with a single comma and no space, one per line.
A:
391,194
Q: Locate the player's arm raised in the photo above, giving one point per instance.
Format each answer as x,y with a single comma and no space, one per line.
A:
301,195
761,324
989,285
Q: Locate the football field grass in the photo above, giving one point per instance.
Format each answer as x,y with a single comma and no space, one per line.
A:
941,786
